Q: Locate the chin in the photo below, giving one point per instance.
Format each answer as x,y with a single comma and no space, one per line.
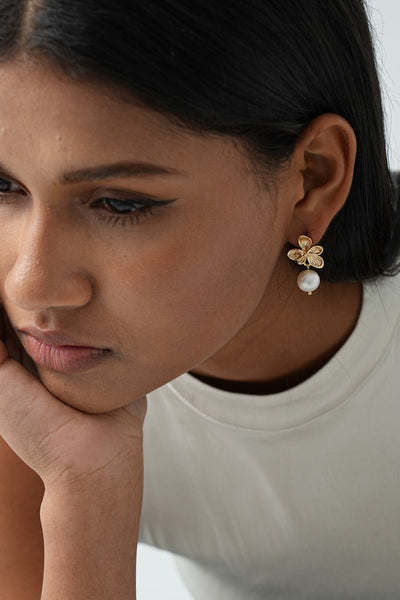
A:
86,394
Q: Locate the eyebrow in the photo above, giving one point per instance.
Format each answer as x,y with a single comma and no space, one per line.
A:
124,169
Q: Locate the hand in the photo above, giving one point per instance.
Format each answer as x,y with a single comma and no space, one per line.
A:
62,444
92,469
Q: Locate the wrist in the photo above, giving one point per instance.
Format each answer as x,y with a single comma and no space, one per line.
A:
89,475
115,492
90,537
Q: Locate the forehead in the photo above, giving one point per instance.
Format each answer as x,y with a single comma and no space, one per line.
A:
40,99
46,115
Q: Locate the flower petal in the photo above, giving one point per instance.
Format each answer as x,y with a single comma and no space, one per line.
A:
316,261
316,250
295,254
305,242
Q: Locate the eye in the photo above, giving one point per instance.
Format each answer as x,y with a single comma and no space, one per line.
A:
7,187
121,207
117,210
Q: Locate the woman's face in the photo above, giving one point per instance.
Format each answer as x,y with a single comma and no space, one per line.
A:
146,293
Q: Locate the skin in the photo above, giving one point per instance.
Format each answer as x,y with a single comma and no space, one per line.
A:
202,285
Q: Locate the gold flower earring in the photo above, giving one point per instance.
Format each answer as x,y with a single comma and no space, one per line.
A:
308,255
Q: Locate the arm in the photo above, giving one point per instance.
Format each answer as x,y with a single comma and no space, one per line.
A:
21,542
90,537
92,470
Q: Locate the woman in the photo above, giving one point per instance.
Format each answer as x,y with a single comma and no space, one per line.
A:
169,170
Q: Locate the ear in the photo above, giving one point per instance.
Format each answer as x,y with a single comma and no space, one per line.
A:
323,163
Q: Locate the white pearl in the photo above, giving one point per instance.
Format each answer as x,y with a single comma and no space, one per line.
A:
308,281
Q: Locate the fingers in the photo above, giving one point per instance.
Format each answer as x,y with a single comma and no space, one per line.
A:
13,345
28,412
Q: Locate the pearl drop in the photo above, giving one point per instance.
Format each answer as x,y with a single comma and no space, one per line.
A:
308,281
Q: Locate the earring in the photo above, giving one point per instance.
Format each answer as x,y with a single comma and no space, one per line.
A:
307,254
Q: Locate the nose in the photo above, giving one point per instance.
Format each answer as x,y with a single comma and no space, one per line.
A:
48,270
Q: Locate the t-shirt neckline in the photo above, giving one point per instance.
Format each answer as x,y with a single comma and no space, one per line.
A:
328,388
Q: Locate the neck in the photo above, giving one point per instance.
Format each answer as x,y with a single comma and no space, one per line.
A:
289,337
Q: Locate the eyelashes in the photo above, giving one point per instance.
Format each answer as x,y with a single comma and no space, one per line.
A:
129,210
6,187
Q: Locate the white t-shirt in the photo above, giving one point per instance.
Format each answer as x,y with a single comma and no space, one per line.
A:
291,496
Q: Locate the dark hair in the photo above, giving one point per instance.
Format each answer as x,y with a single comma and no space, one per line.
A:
258,70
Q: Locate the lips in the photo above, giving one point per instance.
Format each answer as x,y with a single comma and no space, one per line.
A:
59,352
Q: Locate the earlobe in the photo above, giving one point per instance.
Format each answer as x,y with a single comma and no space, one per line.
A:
325,155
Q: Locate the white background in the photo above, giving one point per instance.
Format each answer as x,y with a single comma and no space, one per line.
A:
385,16
156,575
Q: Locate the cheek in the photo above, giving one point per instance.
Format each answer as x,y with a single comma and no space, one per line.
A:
192,294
